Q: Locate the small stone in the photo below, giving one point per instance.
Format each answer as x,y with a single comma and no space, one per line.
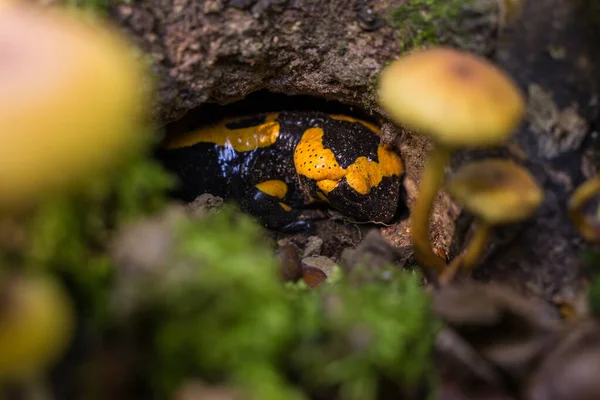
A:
325,264
204,205
313,247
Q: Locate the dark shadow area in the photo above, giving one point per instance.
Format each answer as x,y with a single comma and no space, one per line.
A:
262,101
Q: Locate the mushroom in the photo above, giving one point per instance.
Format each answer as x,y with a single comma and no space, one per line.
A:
456,99
72,101
36,325
497,192
586,226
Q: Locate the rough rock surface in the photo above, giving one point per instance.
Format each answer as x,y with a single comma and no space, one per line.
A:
223,50
220,51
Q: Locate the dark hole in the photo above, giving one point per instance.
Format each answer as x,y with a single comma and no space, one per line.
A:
262,102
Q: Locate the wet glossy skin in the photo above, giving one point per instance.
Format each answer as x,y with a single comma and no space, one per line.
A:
276,164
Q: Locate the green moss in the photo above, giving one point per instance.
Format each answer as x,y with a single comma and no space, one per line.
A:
366,340
424,23
222,316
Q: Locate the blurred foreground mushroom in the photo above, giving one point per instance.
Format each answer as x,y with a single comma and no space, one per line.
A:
497,192
72,101
36,323
458,100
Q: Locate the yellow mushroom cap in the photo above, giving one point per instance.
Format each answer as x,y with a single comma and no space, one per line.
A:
71,100
36,325
458,99
497,191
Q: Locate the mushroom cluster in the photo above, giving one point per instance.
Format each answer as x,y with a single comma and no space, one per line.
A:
459,100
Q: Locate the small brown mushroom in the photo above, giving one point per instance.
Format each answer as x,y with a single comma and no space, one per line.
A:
458,100
497,192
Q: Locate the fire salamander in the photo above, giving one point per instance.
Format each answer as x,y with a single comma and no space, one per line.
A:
275,164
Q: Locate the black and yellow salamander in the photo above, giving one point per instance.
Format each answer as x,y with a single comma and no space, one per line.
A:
275,164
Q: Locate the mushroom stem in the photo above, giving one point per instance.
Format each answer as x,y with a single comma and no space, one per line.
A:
471,255
579,199
476,247
432,179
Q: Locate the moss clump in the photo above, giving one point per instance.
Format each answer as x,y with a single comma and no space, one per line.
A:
222,316
367,341
424,23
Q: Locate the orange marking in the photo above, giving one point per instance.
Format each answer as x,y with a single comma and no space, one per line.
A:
273,187
242,139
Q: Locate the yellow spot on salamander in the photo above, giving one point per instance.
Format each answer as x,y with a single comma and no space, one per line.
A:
274,187
364,174
315,162
285,207
368,125
241,139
